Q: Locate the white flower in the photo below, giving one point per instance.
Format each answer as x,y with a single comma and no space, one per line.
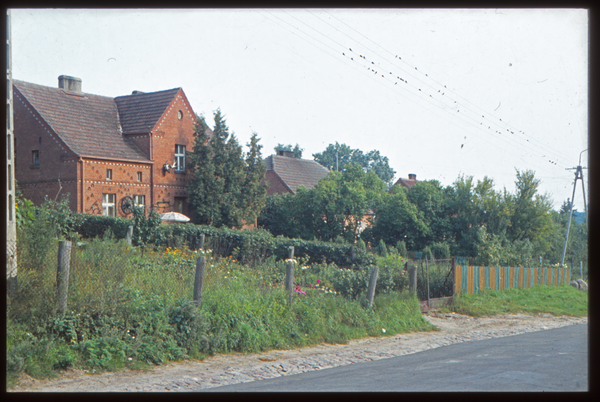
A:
383,330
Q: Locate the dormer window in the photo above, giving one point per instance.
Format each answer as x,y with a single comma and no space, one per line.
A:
179,158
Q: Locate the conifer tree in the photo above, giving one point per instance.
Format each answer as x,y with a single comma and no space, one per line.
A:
225,189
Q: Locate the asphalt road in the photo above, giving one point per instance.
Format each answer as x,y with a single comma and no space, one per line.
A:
551,360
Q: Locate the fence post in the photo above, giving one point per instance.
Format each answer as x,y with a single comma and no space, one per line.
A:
427,273
129,235
412,278
581,270
202,241
289,274
199,279
453,275
62,276
372,284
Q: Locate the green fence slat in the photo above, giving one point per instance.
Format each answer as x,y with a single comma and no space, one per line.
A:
497,278
464,278
475,280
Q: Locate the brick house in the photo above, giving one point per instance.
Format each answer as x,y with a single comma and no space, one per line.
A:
285,173
408,183
104,152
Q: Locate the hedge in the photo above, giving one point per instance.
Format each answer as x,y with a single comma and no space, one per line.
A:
248,246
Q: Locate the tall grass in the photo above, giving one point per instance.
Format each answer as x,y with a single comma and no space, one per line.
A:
131,309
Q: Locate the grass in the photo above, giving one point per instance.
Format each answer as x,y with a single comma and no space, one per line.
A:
132,309
555,300
128,309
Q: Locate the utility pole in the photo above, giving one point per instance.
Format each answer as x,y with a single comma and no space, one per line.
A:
578,175
11,226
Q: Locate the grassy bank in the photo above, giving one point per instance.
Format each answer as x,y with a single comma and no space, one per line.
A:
556,300
129,308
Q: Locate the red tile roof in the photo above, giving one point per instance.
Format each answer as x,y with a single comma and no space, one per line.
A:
92,125
408,183
140,113
296,172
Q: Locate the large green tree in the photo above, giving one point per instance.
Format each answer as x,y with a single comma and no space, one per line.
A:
338,156
333,208
397,219
224,188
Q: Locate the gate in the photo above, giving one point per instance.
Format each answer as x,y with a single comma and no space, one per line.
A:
435,282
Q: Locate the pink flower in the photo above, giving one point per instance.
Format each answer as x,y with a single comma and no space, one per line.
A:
318,281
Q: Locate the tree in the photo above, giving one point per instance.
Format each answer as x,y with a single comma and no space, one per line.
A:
334,207
430,198
254,191
531,217
296,150
397,219
224,188
338,156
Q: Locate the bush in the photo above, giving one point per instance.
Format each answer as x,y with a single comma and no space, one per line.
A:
440,250
401,246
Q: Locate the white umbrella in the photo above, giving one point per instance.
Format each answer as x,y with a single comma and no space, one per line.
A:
174,216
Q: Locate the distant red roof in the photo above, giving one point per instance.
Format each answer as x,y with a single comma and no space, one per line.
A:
408,183
295,172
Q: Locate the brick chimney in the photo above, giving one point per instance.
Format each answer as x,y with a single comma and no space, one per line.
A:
68,83
286,153
412,176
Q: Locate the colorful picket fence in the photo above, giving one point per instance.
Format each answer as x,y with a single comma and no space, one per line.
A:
471,279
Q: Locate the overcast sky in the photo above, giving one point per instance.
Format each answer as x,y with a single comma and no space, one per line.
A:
441,93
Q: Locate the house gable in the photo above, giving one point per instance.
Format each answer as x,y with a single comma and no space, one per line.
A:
293,172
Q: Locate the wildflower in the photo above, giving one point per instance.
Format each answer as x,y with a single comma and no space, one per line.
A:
383,330
129,358
318,281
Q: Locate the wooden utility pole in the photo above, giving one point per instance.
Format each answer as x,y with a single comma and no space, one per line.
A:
578,175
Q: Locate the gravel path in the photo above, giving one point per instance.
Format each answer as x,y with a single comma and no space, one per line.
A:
236,368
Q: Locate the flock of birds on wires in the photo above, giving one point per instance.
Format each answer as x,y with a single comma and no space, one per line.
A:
444,101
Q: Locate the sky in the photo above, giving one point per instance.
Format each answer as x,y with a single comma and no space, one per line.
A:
441,93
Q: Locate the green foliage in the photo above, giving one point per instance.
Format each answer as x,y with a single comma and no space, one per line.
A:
225,189
335,207
59,215
146,230
555,300
427,254
337,157
440,250
24,212
382,249
396,218
296,150
401,247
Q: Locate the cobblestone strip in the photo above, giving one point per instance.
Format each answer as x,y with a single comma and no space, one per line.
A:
200,375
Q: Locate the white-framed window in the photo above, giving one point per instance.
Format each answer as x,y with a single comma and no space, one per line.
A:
180,158
139,201
108,204
108,174
139,177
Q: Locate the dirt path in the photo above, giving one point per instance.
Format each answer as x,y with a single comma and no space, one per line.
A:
235,368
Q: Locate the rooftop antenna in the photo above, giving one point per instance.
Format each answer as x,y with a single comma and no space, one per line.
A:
578,175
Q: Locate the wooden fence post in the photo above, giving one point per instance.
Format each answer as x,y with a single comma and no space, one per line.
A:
289,275
62,275
412,278
129,235
199,279
427,271
372,284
